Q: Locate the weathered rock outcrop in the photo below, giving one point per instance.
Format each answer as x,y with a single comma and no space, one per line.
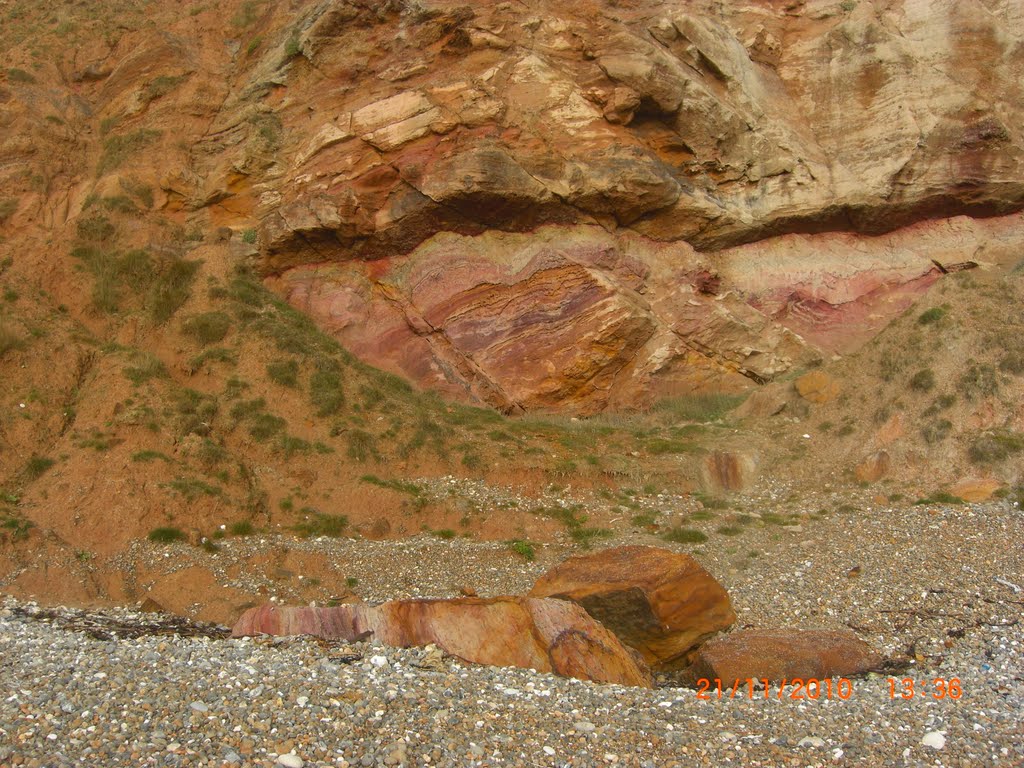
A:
546,635
783,655
661,603
582,208
649,141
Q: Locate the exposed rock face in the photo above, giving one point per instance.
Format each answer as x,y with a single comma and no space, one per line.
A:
546,635
681,129
579,209
783,654
661,603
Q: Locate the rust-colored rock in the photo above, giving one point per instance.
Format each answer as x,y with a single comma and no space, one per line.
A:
659,602
729,470
783,654
817,387
975,489
874,467
546,635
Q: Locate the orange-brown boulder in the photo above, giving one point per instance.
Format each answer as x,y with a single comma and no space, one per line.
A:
659,602
546,635
874,467
783,654
975,489
817,387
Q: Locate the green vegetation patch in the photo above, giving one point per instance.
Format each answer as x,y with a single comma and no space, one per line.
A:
524,549
680,535
37,467
931,316
284,372
401,486
208,327
321,524
117,149
166,535
995,446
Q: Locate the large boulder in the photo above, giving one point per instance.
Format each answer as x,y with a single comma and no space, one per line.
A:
659,602
546,635
783,654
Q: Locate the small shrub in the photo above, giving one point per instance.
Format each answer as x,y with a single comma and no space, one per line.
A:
710,502
10,340
524,549
212,355
923,380
170,289
1012,362
291,47
191,488
284,372
242,528
246,14
166,535
247,409
659,446
207,328
730,530
148,456
160,86
351,582
210,454
685,536
37,466
16,75
7,209
325,392
444,533
17,525
995,446
321,524
772,518
401,486
361,446
643,520
254,45
930,316
249,236
940,497
265,425
472,461
94,229
117,149
936,431
291,445
979,380
148,367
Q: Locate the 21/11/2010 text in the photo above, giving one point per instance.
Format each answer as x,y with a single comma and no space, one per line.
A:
811,688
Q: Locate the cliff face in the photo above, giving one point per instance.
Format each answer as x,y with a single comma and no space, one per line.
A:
574,205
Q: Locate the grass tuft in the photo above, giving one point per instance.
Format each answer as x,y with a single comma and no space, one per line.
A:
166,535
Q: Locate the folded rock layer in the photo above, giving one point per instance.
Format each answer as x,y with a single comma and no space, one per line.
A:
545,635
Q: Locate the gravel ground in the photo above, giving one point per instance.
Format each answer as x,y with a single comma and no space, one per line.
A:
934,585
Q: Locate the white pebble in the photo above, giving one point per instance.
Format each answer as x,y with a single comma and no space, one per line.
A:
379,661
549,751
290,761
934,739
811,741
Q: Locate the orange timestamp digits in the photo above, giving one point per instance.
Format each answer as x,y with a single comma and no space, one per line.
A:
938,688
811,688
